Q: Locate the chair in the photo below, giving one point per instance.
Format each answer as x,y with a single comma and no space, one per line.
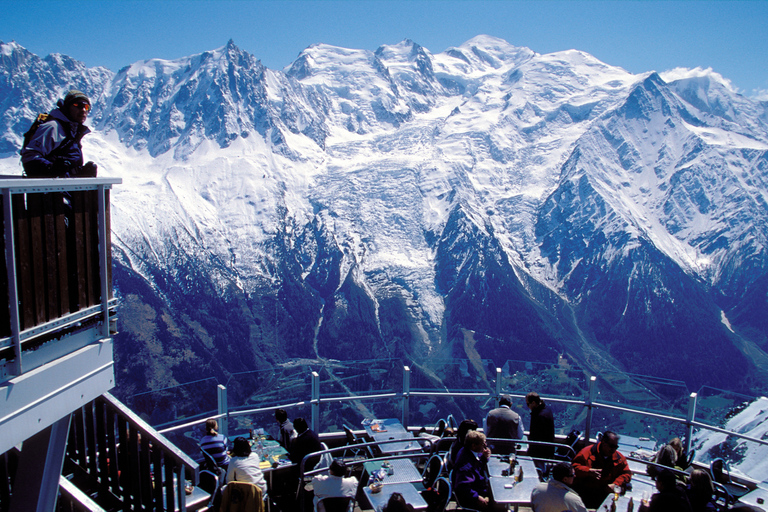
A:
432,469
439,428
723,499
241,497
721,474
352,440
442,494
459,506
209,482
325,459
568,450
336,504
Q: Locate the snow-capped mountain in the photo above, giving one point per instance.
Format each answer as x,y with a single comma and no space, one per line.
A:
487,199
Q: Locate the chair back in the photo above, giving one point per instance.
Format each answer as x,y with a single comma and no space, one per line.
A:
432,470
325,459
439,428
336,504
241,497
718,470
723,498
442,489
209,481
210,462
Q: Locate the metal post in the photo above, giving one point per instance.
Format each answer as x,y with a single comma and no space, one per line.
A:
589,400
315,402
13,285
689,422
498,385
103,270
223,411
406,395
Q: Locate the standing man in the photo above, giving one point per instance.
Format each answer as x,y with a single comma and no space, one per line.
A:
600,470
470,479
542,427
503,423
557,495
54,150
287,433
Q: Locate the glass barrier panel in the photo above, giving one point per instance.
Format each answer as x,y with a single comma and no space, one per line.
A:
427,411
453,375
176,404
354,378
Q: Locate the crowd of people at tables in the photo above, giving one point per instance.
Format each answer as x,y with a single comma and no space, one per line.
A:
595,472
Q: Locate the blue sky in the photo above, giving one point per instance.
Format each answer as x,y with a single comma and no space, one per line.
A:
731,37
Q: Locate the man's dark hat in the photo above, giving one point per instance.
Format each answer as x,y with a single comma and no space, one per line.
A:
75,95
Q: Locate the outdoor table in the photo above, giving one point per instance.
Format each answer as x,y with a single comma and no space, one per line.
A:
640,488
756,498
504,489
388,430
498,463
404,471
409,492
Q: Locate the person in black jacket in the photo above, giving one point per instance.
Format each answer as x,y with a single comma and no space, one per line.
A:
305,443
542,427
670,497
54,149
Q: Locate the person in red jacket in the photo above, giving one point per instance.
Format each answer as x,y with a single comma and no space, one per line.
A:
600,470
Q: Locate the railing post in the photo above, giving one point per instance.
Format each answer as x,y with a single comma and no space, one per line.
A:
223,411
406,395
13,285
498,385
689,421
589,400
315,402
103,259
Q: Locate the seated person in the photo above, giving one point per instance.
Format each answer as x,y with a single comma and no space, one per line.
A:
306,442
470,480
557,495
668,456
700,491
244,465
461,433
336,484
600,470
215,444
670,498
397,503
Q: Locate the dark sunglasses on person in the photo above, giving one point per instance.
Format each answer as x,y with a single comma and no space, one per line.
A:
82,104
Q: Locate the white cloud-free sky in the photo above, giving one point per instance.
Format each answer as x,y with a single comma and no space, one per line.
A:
731,37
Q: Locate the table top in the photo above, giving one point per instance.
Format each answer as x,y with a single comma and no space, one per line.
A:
403,471
498,463
391,429
757,498
409,492
273,452
641,488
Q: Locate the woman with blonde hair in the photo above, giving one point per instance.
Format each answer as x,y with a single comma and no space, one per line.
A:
215,444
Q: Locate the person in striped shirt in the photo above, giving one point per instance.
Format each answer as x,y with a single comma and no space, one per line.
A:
215,444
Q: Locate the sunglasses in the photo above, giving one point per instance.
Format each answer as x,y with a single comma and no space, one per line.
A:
82,104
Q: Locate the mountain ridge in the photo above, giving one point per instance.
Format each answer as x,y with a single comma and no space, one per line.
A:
395,200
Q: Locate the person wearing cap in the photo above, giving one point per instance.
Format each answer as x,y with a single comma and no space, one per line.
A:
503,423
55,150
336,484
556,495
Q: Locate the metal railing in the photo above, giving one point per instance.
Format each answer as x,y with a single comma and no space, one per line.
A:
683,418
116,455
57,264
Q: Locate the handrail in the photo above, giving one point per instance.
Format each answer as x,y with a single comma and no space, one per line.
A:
111,447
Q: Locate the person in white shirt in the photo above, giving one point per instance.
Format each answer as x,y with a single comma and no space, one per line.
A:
244,465
556,495
334,484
